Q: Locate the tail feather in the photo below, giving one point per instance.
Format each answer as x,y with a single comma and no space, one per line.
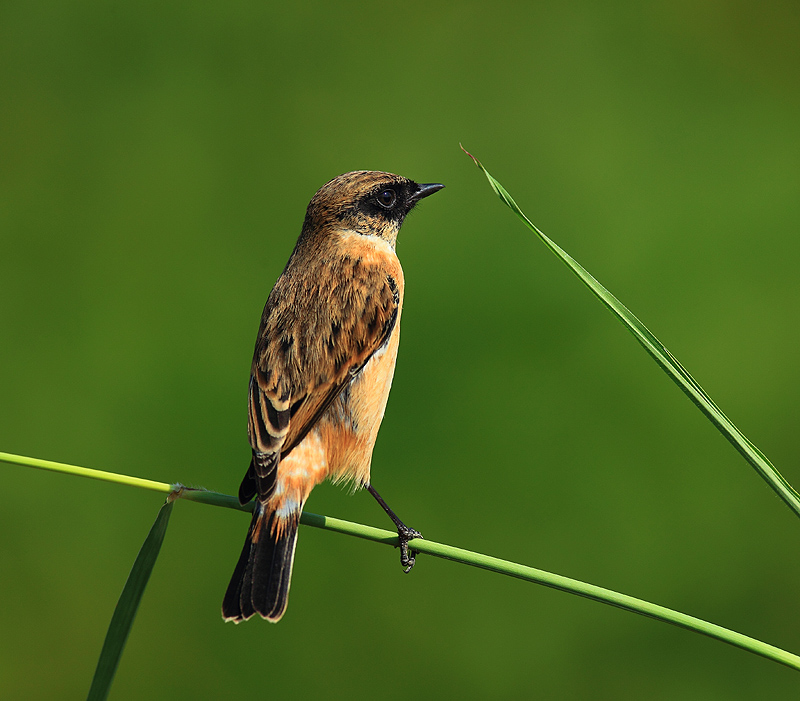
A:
261,579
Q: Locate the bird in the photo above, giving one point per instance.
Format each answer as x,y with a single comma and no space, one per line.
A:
322,369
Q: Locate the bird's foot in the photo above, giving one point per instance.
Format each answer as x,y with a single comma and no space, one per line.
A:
404,533
407,555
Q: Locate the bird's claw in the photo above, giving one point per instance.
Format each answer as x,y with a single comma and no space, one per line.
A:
407,555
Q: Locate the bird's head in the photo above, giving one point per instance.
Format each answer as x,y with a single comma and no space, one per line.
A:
368,202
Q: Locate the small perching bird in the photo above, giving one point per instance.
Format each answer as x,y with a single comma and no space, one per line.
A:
321,374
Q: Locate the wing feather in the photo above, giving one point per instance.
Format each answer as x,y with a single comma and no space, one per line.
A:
315,337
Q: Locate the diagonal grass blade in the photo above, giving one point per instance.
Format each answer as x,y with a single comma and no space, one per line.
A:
666,361
128,604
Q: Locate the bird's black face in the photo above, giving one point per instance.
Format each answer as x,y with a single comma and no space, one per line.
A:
394,199
370,203
387,201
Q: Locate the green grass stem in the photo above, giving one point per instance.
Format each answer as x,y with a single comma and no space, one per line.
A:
85,472
429,547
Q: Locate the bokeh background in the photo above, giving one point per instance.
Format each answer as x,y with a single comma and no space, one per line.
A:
155,163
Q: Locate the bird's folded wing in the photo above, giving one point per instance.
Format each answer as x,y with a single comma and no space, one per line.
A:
315,338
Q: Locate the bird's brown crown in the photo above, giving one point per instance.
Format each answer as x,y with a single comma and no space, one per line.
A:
369,202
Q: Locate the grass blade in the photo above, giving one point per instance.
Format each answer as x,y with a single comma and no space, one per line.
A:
666,361
79,471
128,604
123,619
529,574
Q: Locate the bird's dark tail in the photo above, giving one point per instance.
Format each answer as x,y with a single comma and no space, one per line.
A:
260,582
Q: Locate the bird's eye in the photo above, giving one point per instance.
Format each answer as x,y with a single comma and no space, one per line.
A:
387,198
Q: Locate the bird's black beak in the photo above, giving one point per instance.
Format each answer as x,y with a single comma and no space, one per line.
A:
425,190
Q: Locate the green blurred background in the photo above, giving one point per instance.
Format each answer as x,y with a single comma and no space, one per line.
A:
155,163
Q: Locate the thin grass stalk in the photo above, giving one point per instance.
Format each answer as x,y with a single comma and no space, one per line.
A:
448,552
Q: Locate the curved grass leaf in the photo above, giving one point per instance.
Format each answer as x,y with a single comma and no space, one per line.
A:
128,604
666,361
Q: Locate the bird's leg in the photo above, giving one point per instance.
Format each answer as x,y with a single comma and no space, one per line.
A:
404,533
